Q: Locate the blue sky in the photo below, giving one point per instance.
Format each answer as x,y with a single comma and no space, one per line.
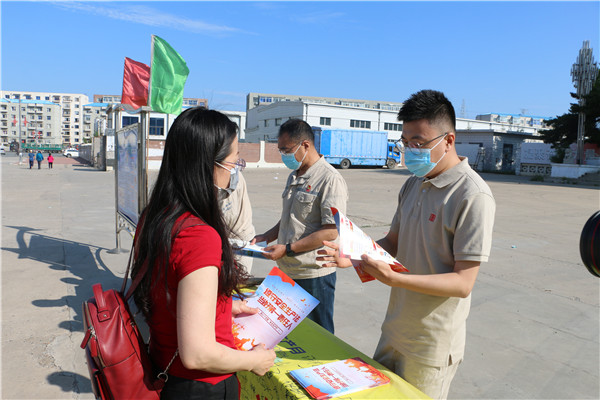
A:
505,57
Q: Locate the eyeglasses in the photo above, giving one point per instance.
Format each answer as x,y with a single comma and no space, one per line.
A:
241,163
284,151
416,148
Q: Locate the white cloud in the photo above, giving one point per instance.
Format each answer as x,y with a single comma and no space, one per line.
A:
149,16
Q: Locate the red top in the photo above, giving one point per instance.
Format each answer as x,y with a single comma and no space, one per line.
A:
50,158
194,248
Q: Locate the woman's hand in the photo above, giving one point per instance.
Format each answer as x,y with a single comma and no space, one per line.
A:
333,256
241,307
265,359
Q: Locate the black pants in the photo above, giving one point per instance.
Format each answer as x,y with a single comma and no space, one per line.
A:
185,389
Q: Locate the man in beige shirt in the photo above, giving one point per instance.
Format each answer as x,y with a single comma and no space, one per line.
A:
441,232
306,221
237,211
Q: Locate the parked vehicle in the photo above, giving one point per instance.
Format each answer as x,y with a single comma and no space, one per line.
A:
346,147
71,152
2,150
44,148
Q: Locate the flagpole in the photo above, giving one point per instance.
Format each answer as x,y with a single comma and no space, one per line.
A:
20,144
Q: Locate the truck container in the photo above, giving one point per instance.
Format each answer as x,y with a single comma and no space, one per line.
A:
346,147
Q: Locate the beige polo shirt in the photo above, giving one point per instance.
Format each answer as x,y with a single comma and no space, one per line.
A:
237,211
307,202
439,221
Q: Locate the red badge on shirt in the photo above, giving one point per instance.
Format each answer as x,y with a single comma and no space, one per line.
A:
432,217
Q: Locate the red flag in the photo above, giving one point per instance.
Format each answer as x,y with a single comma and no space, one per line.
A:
136,77
25,121
15,121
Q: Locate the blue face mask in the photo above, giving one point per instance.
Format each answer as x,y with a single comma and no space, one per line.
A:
418,161
289,159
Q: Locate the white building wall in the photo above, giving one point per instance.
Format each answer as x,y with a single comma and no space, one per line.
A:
263,122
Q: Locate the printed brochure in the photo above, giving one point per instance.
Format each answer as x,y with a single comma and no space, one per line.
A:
244,248
339,378
354,243
281,304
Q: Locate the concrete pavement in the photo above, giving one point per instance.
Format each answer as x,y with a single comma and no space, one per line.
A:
533,331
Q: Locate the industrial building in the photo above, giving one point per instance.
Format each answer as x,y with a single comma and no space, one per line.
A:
491,141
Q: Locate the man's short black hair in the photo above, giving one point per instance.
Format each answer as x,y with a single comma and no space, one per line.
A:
297,130
430,105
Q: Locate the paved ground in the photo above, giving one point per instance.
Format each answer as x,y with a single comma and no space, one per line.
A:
533,332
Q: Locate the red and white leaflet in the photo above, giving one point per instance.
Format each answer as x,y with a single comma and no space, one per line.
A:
354,243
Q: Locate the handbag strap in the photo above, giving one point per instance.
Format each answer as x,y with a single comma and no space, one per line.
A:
186,223
163,376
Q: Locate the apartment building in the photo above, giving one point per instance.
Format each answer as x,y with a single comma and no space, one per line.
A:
94,119
30,122
70,117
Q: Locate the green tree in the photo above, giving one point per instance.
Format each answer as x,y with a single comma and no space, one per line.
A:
563,129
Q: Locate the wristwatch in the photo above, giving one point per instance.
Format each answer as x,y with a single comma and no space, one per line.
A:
288,250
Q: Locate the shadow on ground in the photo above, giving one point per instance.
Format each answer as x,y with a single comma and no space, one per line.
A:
84,262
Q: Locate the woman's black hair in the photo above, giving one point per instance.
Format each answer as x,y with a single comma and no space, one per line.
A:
197,139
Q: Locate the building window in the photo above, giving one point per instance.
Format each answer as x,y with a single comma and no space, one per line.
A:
388,126
47,98
266,123
157,126
325,121
354,123
277,121
130,120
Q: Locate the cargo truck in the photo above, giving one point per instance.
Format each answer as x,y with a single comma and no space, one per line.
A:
346,147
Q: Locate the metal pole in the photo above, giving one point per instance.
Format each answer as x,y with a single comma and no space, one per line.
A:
143,159
19,124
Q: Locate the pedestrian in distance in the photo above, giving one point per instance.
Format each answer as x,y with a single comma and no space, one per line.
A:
186,294
39,158
50,160
441,232
31,158
312,189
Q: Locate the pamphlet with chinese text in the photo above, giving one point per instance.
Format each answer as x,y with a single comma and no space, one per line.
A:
339,378
354,243
282,305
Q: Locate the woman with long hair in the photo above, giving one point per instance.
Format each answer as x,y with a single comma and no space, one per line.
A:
186,295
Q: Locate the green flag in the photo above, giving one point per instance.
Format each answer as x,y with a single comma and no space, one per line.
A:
167,77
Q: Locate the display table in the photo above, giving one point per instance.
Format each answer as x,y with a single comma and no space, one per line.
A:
310,345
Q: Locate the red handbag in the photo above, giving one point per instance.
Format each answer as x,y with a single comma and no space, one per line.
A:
117,356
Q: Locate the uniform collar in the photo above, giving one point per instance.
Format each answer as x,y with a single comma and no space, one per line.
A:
451,175
309,171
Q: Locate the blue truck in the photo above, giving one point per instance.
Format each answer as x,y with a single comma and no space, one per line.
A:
346,147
